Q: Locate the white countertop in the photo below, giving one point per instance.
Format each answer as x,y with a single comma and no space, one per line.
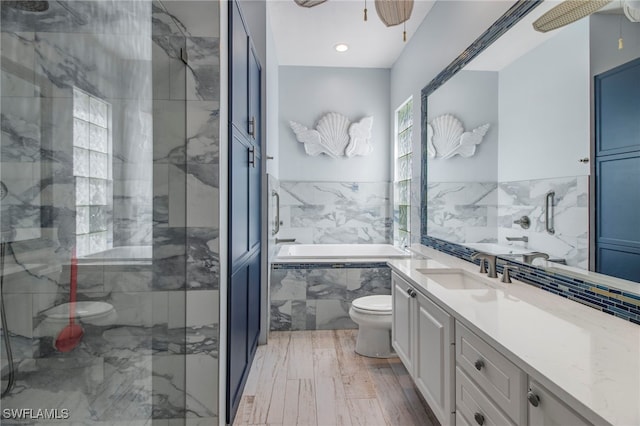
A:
587,358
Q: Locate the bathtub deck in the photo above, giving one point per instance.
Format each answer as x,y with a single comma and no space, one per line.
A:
316,378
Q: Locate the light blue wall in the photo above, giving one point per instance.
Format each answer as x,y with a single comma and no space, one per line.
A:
604,33
544,109
472,97
307,94
272,113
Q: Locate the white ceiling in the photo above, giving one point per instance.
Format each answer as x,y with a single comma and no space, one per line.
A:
521,39
307,36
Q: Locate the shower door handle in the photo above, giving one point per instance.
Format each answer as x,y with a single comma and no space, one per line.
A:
276,227
252,127
548,213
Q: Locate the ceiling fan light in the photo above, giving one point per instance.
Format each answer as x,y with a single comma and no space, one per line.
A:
309,3
394,12
567,12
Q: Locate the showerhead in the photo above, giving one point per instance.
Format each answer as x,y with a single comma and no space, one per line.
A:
27,5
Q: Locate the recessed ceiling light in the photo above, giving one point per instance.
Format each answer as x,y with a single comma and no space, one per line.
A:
341,47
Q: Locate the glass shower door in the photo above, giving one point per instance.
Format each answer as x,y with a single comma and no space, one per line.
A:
92,260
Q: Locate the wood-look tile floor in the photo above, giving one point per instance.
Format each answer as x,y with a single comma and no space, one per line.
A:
315,378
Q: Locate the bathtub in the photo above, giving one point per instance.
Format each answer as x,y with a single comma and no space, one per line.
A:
312,285
340,251
119,254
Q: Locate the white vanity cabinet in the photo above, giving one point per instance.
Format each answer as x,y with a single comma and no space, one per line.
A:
422,335
497,377
466,380
546,409
401,326
491,390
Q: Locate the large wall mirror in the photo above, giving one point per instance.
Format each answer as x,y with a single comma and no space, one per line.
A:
558,169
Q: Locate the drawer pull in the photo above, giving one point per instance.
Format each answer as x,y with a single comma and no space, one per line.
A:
479,364
411,292
533,398
479,418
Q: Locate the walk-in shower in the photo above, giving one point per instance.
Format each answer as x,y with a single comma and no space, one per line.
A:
92,161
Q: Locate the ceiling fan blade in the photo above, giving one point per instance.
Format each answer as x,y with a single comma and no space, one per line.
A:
394,12
567,12
632,10
309,3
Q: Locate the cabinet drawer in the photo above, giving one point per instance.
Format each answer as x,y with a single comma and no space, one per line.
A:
547,409
496,375
474,406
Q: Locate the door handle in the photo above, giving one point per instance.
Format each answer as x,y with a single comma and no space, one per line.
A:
548,212
252,157
252,127
276,228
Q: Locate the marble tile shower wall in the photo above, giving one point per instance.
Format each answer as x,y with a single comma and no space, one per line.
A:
320,298
165,194
462,211
570,215
186,173
470,212
336,212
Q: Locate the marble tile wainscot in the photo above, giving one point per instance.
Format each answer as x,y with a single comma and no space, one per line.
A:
612,301
317,296
336,212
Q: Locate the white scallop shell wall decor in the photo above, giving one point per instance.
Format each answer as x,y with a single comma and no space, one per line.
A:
335,136
446,137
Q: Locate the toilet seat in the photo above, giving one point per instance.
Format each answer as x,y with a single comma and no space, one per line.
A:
373,305
374,315
84,311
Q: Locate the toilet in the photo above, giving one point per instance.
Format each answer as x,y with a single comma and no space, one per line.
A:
373,316
93,313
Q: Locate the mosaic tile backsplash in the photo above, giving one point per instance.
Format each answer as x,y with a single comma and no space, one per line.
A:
608,300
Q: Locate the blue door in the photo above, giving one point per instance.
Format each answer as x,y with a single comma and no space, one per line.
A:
245,180
617,100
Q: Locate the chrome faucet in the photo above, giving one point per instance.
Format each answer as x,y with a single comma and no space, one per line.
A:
528,258
524,239
506,275
490,259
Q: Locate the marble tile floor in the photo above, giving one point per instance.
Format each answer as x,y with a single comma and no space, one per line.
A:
316,378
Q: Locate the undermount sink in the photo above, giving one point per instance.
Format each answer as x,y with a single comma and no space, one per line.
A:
455,280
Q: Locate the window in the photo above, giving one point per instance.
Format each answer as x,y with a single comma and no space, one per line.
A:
92,172
402,174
